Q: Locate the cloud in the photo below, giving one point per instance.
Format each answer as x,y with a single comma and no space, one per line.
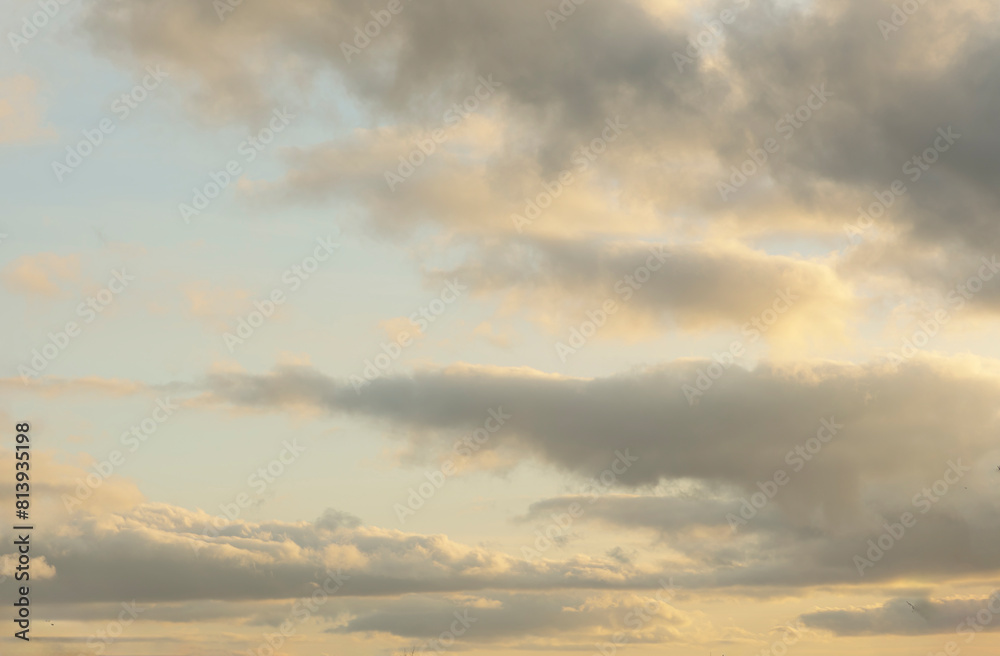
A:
899,429
661,286
44,274
20,115
727,542
55,386
615,58
888,99
216,306
567,79
505,618
400,328
939,409
157,552
331,520
40,569
907,617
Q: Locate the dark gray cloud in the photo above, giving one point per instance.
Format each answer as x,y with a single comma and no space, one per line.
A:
161,553
693,286
907,617
333,520
735,546
425,59
900,430
893,94
890,94
650,617
900,424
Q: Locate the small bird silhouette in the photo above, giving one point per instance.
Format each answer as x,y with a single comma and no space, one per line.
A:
100,235
916,610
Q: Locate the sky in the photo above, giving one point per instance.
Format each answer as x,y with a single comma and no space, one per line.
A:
595,327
